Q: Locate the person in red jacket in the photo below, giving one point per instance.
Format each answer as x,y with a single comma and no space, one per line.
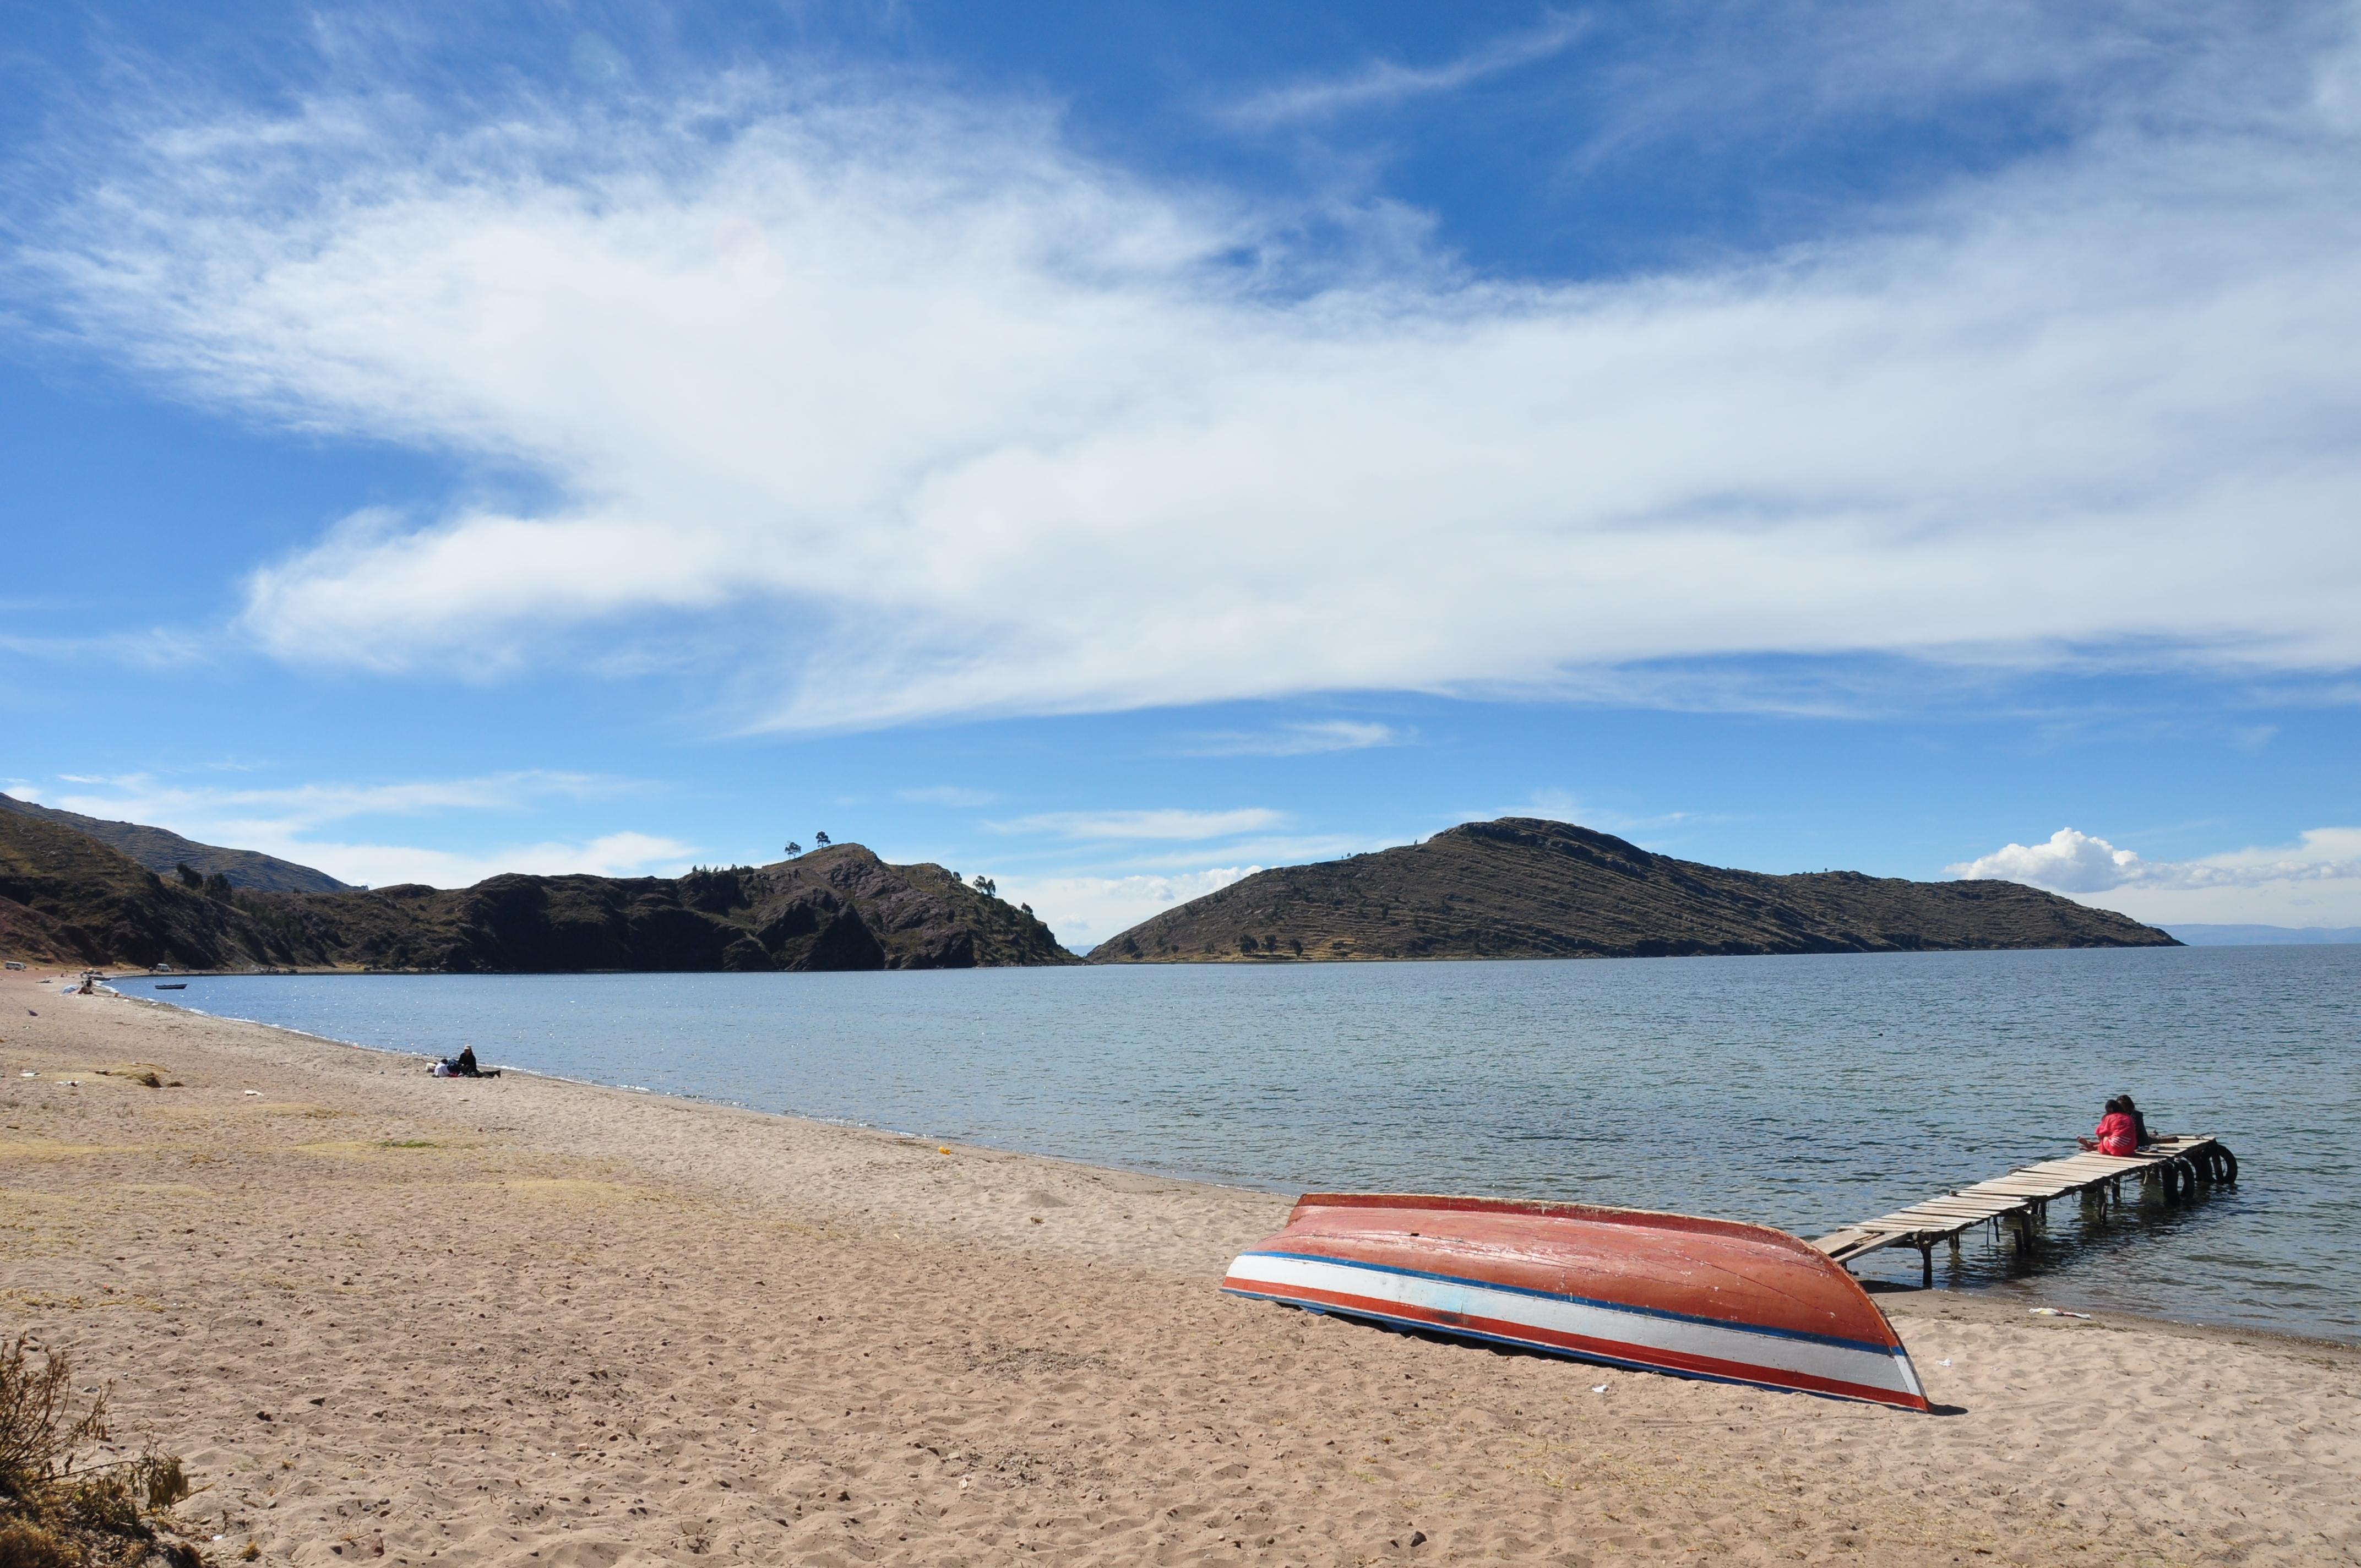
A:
2117,1134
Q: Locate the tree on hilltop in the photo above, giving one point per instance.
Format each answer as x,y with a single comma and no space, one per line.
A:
821,839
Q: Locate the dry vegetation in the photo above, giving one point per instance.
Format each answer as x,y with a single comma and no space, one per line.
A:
58,1509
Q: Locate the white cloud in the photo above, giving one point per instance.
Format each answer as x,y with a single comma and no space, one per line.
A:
1171,823
1300,739
383,865
1086,910
284,821
1384,82
2069,862
983,426
2315,881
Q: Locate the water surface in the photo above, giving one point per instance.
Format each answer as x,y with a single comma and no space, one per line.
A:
1804,1092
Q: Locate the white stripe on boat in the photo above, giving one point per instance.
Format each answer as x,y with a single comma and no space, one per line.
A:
1613,1333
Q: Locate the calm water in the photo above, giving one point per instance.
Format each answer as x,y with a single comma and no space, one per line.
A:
1803,1092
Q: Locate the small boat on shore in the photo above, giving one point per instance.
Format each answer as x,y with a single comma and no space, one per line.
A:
1701,1297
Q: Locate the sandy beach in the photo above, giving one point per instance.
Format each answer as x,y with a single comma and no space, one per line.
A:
390,1318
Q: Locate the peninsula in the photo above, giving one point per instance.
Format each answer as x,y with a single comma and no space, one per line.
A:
1525,888
66,897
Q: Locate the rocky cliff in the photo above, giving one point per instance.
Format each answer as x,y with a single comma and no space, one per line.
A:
1523,888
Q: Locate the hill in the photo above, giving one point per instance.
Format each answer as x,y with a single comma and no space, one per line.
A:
1523,888
837,908
163,852
67,898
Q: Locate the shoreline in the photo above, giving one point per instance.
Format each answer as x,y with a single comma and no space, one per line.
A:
532,1320
1892,1296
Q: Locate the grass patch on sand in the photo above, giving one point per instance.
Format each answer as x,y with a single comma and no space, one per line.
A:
574,1190
388,1148
50,1148
147,1074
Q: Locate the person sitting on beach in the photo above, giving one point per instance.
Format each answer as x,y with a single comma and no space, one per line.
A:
2139,1121
2114,1135
461,1065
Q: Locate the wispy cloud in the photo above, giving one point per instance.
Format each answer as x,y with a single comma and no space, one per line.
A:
1168,824
1564,805
946,795
286,822
1384,82
942,416
383,865
2317,877
1086,910
155,648
1304,738
146,798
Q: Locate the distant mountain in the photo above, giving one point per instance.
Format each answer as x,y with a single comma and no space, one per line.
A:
65,897
162,852
1523,888
2264,936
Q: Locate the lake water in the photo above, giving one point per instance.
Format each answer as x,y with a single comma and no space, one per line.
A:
1805,1092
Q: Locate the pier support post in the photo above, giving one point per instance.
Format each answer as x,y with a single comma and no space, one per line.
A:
1926,1265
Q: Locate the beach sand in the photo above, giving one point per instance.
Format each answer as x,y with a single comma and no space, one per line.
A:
390,1318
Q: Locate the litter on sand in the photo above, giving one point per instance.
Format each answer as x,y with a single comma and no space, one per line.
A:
2057,1312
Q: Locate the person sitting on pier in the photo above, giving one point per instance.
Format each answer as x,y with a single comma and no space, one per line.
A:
2115,1135
2139,1122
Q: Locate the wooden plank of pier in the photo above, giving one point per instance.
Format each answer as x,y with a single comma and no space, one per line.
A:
2178,1162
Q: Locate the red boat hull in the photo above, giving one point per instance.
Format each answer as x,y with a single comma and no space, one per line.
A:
1667,1293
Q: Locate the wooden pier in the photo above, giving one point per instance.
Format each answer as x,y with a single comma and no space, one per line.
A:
2024,1195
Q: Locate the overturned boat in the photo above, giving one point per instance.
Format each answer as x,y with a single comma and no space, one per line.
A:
1674,1293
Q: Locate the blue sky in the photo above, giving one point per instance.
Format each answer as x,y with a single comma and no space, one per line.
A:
1113,448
